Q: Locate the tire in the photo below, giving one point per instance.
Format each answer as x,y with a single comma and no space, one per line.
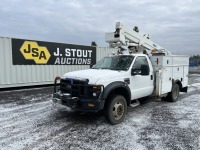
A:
116,109
173,96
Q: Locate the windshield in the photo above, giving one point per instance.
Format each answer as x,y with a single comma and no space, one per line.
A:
115,63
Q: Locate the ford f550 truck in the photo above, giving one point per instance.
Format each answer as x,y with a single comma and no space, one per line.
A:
120,79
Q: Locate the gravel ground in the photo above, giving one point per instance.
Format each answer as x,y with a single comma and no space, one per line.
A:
194,70
29,121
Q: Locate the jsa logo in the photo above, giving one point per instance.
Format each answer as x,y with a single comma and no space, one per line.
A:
31,50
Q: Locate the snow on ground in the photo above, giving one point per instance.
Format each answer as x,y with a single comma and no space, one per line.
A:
29,121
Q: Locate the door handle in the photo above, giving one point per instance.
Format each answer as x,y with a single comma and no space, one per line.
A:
151,77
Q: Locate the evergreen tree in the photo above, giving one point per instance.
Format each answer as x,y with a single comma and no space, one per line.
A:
195,60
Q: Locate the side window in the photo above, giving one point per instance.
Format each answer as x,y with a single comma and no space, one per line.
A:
141,60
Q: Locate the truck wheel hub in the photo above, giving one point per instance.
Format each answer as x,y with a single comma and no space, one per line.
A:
118,110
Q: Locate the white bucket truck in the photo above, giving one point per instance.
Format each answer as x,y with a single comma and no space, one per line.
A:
119,80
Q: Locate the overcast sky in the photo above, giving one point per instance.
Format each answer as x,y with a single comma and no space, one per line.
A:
173,24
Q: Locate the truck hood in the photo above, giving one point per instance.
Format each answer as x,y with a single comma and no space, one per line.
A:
94,75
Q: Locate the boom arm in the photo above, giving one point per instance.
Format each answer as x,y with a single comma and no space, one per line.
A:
124,36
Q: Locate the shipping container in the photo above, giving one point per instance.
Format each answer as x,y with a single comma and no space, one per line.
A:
29,62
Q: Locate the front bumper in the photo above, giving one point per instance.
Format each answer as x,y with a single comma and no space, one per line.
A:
77,103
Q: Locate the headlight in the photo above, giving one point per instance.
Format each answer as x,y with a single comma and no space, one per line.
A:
96,90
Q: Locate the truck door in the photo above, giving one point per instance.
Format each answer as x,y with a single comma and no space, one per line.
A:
141,85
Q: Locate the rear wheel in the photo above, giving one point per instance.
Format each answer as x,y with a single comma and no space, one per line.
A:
116,109
174,94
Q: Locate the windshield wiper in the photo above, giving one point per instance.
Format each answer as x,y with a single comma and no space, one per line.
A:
110,68
104,68
118,69
100,68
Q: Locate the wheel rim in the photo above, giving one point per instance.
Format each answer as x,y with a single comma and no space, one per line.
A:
176,92
118,110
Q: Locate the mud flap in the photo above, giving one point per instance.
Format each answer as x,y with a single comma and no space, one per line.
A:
185,89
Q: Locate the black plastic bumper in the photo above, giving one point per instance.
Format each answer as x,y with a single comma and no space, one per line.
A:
77,103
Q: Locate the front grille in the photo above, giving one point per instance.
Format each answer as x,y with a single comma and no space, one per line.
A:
76,88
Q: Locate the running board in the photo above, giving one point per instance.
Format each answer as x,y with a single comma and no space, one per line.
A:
134,103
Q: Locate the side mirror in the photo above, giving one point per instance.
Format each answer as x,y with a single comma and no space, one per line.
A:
144,70
135,72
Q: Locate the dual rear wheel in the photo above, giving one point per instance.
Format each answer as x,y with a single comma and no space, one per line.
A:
173,96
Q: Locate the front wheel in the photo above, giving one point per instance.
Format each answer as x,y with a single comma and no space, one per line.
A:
116,109
174,94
